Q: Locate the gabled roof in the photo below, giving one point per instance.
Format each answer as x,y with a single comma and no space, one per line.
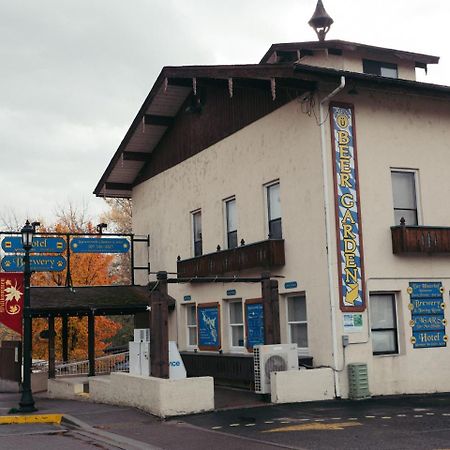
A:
175,84
419,59
170,91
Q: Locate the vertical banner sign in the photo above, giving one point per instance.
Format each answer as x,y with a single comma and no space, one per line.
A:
348,215
427,314
11,300
254,323
208,320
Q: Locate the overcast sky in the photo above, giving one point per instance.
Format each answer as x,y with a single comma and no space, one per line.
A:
73,73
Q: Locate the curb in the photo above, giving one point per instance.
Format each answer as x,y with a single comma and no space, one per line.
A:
116,440
33,418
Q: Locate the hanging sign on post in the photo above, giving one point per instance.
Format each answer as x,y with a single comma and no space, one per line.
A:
11,300
100,245
40,245
44,263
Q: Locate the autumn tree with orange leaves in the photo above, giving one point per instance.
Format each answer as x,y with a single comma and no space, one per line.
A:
86,269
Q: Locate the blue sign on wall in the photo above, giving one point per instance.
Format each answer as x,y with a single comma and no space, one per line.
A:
40,245
290,285
187,298
42,263
231,292
254,316
428,339
100,245
427,314
426,306
426,290
425,322
208,320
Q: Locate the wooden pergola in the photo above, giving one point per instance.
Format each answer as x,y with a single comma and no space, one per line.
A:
153,299
90,301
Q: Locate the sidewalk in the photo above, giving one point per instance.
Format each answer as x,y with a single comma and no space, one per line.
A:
127,427
246,427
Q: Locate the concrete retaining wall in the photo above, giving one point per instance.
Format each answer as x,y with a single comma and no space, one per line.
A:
302,385
161,397
64,388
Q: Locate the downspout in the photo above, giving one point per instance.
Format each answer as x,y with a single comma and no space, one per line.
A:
326,204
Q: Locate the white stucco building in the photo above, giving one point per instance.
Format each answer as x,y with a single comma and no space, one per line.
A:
302,165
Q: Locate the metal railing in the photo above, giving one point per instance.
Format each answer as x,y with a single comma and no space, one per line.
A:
118,362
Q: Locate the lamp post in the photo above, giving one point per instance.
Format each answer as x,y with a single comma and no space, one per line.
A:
26,401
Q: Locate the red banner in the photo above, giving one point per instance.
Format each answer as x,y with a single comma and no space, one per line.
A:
11,300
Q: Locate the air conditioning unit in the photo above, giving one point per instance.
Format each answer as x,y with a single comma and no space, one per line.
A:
272,358
141,335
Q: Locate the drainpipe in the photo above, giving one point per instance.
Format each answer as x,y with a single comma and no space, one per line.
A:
326,204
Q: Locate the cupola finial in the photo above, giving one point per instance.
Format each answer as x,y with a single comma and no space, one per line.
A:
321,21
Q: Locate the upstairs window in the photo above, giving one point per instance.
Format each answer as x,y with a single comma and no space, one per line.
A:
231,223
274,211
197,232
382,69
405,198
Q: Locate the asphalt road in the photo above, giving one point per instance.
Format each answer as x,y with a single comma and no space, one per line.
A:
414,422
407,422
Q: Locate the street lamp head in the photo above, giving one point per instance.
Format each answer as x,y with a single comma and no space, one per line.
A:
27,235
101,226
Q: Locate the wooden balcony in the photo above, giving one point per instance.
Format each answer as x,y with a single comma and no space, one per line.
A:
420,239
264,254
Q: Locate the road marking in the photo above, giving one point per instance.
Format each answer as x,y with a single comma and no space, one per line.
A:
401,415
430,414
418,415
250,424
314,427
446,414
234,424
319,420
268,421
34,418
336,418
216,428
352,418
285,421
304,420
370,417
386,417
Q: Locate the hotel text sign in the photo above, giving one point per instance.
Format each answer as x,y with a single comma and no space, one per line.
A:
348,220
427,314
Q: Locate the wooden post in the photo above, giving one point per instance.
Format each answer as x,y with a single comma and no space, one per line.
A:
91,343
51,347
159,329
65,338
271,309
275,306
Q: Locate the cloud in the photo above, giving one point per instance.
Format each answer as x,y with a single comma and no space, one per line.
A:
74,73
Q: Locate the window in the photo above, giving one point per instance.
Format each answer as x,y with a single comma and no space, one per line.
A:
236,321
383,324
231,223
404,191
297,322
197,232
380,68
274,211
191,322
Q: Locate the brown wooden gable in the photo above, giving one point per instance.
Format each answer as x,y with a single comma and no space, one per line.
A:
219,117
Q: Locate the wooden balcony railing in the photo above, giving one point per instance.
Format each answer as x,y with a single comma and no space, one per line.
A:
420,239
264,254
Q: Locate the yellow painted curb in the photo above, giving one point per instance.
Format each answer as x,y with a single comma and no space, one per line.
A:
33,418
